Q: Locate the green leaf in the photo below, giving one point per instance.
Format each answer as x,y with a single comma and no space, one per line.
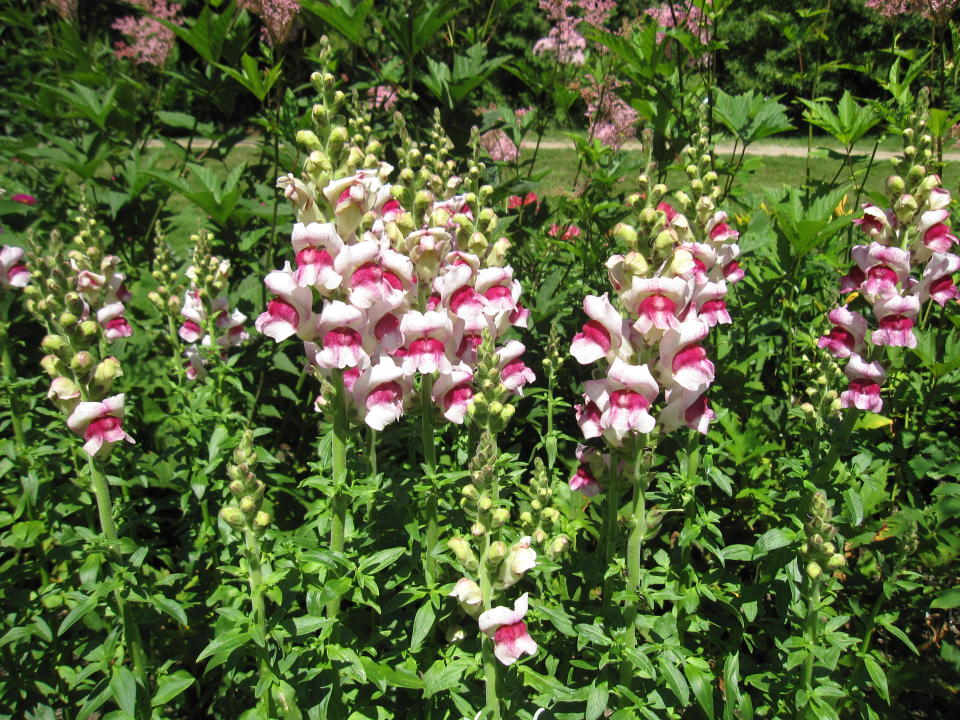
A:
171,686
772,540
701,681
440,677
851,499
948,600
597,698
170,607
124,689
343,16
422,625
558,618
220,433
675,680
224,645
877,676
77,613
593,634
372,564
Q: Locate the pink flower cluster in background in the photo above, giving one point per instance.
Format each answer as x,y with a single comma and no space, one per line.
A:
383,97
610,119
650,344
936,10
278,17
683,14
907,263
381,304
499,146
149,41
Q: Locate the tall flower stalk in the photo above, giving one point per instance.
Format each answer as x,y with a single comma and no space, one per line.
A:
78,294
393,286
907,263
652,371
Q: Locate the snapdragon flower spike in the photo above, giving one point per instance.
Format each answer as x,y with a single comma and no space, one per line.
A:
511,640
913,235
100,423
13,273
393,283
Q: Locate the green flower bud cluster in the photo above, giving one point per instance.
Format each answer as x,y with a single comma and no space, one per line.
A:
168,296
340,142
540,519
703,180
490,409
822,375
912,168
72,344
428,176
246,489
819,551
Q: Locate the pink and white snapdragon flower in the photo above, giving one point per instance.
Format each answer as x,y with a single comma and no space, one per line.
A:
100,424
902,244
511,640
390,298
650,345
13,273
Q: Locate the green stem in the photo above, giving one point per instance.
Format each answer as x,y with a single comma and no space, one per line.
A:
339,502
610,527
811,631
131,632
637,522
430,461
486,591
251,551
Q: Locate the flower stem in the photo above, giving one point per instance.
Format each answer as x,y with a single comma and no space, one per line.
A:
610,527
430,460
811,631
339,501
131,632
637,523
486,591
251,551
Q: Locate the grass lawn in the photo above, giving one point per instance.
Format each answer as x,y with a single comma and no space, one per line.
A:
766,171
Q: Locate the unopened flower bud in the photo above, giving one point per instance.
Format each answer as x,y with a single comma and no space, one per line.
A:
470,491
455,634
82,362
54,343
107,371
52,365
261,521
478,529
233,516
896,186
309,140
237,488
626,234
813,570
558,546
495,554
484,504
499,517
905,208
836,561
248,505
